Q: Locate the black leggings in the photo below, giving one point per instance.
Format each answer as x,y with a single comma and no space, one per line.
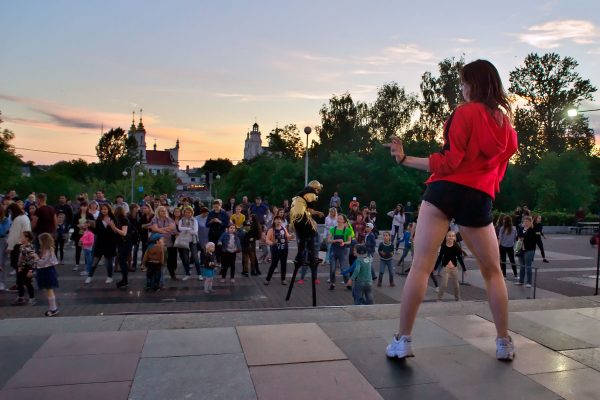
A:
24,282
540,244
278,256
59,247
510,252
227,262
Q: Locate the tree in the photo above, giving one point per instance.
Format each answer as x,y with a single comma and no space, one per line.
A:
113,146
562,182
286,141
392,112
10,162
343,127
440,96
549,85
219,165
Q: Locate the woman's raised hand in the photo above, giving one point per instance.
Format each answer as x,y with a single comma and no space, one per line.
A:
396,148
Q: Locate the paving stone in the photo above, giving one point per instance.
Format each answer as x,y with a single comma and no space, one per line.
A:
466,326
191,342
72,370
417,392
568,321
589,357
318,380
368,356
14,353
531,358
92,391
348,330
578,384
72,344
466,372
544,335
49,326
590,312
223,376
284,344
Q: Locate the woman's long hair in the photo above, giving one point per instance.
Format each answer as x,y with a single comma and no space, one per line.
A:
485,85
507,224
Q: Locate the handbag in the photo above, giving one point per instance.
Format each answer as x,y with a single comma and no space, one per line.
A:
519,250
183,240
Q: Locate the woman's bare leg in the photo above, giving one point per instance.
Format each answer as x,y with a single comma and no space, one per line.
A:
431,230
484,245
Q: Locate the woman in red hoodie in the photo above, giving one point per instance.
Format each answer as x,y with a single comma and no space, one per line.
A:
465,177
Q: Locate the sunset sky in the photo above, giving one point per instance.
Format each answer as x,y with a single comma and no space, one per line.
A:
204,71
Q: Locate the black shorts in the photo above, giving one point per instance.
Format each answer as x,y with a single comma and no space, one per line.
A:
468,206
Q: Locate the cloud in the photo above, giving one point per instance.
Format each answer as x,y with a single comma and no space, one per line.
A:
464,40
551,34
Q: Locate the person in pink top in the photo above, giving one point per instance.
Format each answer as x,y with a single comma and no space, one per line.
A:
87,243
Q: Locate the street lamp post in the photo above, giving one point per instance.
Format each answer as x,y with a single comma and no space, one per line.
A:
307,130
210,183
132,172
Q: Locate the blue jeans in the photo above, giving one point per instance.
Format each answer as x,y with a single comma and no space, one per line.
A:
383,264
362,293
339,256
88,255
528,260
195,258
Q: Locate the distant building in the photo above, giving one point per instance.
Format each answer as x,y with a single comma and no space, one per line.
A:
253,144
154,160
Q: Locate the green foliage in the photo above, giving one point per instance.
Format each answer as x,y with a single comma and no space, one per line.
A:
562,182
116,152
550,85
392,112
220,165
552,218
286,142
10,162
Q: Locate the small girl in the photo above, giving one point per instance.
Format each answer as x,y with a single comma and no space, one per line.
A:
25,266
406,240
62,231
154,260
208,267
386,254
87,244
46,276
450,256
230,246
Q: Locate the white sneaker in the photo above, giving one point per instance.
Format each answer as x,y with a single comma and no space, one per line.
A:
400,348
108,280
505,349
76,268
200,278
83,273
185,278
528,285
13,272
88,280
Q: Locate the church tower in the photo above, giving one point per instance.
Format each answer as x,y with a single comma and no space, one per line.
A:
253,143
139,134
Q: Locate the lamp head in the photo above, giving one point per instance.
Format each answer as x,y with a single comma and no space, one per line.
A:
572,112
307,130
124,173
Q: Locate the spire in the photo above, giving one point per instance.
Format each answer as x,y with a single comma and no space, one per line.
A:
177,144
132,128
154,142
141,124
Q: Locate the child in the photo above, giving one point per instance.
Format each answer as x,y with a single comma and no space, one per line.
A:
209,262
529,242
450,256
25,265
46,276
278,238
406,240
87,244
370,241
154,260
230,246
62,230
386,254
362,290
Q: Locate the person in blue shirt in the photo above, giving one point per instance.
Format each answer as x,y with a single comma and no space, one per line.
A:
216,222
259,209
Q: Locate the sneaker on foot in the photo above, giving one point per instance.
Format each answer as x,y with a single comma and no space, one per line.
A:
518,283
546,261
185,278
51,313
232,280
283,283
32,302
19,301
76,268
528,285
200,278
267,283
88,280
13,272
300,281
83,273
108,280
505,349
13,288
332,287
317,281
400,347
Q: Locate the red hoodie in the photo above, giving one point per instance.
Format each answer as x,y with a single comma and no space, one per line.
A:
476,150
